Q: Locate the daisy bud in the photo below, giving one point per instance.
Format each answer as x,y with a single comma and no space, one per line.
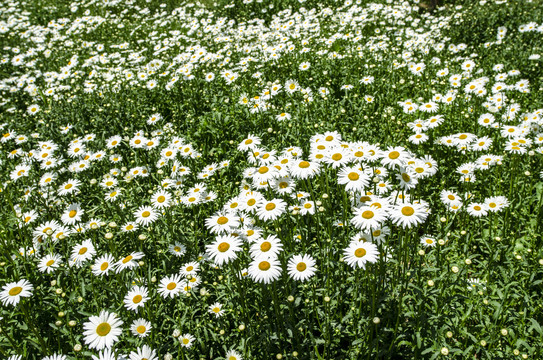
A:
441,242
93,181
531,153
58,291
142,237
325,196
49,232
54,282
113,224
270,130
168,356
449,334
318,203
58,323
326,299
61,314
504,332
540,261
421,252
431,283
443,219
321,209
497,238
468,261
80,299
108,236
455,269
295,353
483,343
290,298
444,351
72,323
376,320
278,356
527,173
77,347
176,333
525,356
463,232
153,279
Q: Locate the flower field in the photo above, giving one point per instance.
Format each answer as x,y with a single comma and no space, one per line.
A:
271,179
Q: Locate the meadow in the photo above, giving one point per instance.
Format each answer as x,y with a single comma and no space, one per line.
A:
280,179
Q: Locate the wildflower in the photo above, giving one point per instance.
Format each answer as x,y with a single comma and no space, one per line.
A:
102,331
13,292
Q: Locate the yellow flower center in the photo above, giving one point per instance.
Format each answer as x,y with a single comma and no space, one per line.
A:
127,259
304,164
337,157
171,286
301,266
141,329
408,211
223,247
264,266
103,329
394,155
368,214
265,246
83,250
263,170
360,252
15,291
146,214
270,206
104,266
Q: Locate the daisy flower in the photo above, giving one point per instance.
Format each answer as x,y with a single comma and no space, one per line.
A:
14,291
477,210
367,217
428,241
224,249
102,331
177,249
265,270
49,263
72,215
186,340
496,203
270,246
408,214
143,353
302,169
357,254
103,265
222,222
128,262
170,286
353,178
233,355
250,143
190,268
136,298
82,252
301,267
216,309
141,328
145,215
271,210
